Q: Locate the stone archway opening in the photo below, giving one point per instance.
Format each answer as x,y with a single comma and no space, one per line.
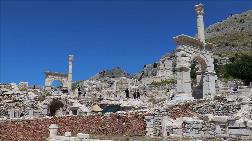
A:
197,73
57,84
54,106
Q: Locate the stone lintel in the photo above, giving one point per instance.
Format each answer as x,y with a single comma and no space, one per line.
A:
210,73
188,40
47,73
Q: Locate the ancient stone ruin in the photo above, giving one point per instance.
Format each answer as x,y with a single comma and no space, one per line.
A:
161,102
65,79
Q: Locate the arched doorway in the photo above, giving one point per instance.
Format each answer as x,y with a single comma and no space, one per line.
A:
197,73
57,84
54,106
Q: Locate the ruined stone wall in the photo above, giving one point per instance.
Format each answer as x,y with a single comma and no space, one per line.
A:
218,118
37,129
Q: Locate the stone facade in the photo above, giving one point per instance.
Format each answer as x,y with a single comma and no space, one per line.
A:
166,67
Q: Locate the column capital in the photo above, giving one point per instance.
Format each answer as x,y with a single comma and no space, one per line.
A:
70,57
199,8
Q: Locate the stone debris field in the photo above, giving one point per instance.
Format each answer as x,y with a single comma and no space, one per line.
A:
162,102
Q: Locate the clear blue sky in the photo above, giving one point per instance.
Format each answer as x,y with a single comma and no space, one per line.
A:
38,35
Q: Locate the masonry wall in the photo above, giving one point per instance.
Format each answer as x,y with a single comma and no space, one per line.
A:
37,129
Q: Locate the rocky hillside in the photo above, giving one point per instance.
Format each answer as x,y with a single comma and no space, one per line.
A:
113,73
233,34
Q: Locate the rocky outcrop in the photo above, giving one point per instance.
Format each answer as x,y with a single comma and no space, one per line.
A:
113,73
233,34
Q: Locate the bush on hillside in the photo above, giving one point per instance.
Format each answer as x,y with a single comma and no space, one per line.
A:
241,68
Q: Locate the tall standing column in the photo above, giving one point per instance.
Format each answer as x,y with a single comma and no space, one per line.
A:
70,72
200,23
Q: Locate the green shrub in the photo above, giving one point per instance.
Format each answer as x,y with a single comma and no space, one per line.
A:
241,68
164,82
219,98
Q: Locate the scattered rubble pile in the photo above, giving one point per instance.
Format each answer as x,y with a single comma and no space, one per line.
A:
203,119
217,108
181,111
37,129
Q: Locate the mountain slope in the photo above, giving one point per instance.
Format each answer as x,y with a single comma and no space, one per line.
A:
232,35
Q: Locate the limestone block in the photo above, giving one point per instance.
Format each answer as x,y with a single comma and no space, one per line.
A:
191,134
148,117
197,126
244,132
233,118
82,136
249,123
53,129
44,112
237,124
223,135
177,131
222,119
67,134
175,136
248,138
202,133
148,125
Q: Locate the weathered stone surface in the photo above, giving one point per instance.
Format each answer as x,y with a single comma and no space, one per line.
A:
244,132
249,123
220,118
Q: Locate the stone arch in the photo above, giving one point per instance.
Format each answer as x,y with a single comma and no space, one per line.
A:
55,105
53,76
200,67
56,83
189,49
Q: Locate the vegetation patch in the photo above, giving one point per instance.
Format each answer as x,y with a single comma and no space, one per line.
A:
164,82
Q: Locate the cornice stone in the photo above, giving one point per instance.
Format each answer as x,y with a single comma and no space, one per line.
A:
47,73
187,40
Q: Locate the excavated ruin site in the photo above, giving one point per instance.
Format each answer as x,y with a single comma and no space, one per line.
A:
162,102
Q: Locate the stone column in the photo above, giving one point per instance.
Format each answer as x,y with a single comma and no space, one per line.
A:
70,73
12,113
198,77
200,23
209,84
164,122
31,113
53,129
47,82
